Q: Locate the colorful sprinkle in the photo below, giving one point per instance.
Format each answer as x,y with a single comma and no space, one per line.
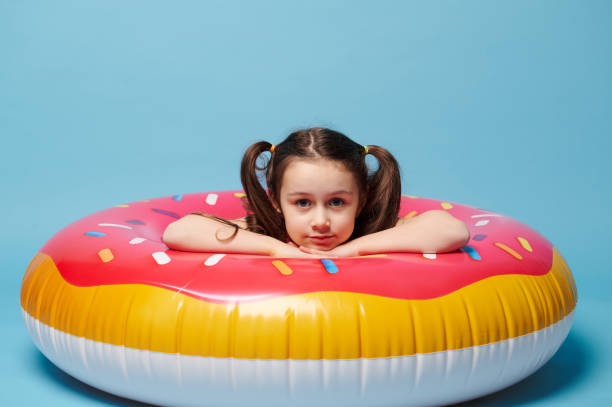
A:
485,215
471,252
508,250
135,222
411,214
446,205
122,206
163,212
239,194
330,266
106,255
114,225
525,244
479,237
282,267
482,222
372,255
214,259
137,240
95,234
430,256
161,258
178,197
411,196
211,199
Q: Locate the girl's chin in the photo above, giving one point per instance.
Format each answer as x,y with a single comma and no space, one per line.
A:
323,246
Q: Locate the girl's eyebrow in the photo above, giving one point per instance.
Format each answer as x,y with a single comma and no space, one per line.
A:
340,192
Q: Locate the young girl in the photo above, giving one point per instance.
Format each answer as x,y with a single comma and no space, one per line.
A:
321,202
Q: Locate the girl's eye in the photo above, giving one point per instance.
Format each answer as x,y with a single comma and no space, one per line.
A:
302,203
336,202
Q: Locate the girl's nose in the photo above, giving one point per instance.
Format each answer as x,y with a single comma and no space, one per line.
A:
320,220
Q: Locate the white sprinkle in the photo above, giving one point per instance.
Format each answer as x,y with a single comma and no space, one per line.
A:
161,258
137,240
211,199
214,259
430,256
485,215
482,222
114,225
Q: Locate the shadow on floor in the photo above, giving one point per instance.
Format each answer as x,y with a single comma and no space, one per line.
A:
63,379
567,368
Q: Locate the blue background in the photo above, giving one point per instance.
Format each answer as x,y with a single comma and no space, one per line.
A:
500,105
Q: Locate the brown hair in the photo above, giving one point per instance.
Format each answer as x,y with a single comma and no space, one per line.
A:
379,191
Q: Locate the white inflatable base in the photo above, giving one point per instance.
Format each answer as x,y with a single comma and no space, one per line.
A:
418,380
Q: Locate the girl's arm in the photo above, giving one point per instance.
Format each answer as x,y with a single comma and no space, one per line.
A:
195,233
431,232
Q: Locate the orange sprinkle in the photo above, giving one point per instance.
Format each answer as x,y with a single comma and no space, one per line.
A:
509,250
525,244
106,255
282,267
373,255
411,214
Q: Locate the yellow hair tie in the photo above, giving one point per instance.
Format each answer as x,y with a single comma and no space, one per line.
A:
366,149
272,148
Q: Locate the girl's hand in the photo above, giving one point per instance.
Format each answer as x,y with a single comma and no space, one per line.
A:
291,250
344,250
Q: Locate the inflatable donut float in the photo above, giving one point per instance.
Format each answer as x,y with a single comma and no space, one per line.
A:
106,301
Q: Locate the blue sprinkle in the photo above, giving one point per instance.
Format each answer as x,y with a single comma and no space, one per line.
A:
163,212
95,234
135,222
177,197
330,266
471,252
478,238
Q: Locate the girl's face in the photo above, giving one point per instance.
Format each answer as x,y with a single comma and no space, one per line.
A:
319,199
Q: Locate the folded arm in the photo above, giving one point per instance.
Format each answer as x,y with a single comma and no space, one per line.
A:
195,233
431,232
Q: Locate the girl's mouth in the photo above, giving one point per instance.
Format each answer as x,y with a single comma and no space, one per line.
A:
321,239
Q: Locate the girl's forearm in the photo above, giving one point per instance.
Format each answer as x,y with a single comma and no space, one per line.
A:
430,232
195,233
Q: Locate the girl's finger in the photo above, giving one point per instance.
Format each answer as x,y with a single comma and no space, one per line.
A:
311,251
318,253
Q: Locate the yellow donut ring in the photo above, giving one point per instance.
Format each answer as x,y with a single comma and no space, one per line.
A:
166,346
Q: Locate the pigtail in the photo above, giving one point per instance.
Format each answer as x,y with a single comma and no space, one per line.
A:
261,217
383,196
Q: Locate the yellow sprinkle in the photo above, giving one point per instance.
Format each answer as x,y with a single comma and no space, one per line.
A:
446,205
106,255
525,244
411,214
373,255
509,250
239,194
411,196
145,200
122,206
282,267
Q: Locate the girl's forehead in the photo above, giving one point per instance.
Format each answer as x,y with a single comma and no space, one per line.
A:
302,175
318,162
